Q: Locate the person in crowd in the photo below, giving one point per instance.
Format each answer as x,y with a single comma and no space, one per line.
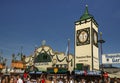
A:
5,79
83,81
71,80
54,80
51,79
19,80
13,77
12,80
48,80
60,81
25,75
0,79
28,80
42,78
38,80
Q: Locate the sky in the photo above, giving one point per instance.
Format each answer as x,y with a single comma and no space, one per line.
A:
26,23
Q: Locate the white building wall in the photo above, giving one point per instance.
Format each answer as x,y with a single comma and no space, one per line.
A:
83,52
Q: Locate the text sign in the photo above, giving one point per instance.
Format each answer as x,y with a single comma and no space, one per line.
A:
87,72
41,64
111,58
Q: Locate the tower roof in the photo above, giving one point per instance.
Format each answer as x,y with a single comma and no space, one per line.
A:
86,14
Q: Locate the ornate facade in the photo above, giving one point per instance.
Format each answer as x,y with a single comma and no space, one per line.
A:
45,57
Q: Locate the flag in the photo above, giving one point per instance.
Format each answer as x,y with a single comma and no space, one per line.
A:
67,49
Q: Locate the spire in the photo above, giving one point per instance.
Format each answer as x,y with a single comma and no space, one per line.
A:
86,14
86,9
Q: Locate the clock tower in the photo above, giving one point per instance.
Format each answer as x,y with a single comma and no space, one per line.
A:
86,42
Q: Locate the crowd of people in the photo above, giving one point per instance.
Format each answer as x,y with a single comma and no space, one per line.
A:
46,78
11,79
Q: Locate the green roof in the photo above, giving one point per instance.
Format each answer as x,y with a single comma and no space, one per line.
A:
86,14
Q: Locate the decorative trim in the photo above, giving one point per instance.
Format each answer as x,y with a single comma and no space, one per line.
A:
86,21
59,59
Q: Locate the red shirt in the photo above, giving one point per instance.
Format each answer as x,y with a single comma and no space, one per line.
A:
43,80
25,75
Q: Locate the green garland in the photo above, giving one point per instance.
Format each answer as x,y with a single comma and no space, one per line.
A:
59,59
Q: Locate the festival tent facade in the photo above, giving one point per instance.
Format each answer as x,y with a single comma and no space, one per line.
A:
45,59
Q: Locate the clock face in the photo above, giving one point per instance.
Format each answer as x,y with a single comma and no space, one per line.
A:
83,36
95,38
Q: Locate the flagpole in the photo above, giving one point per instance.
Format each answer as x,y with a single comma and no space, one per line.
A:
21,54
68,52
68,60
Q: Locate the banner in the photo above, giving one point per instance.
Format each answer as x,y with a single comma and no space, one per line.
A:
87,72
111,58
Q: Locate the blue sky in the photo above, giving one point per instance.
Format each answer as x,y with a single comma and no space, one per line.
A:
27,22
